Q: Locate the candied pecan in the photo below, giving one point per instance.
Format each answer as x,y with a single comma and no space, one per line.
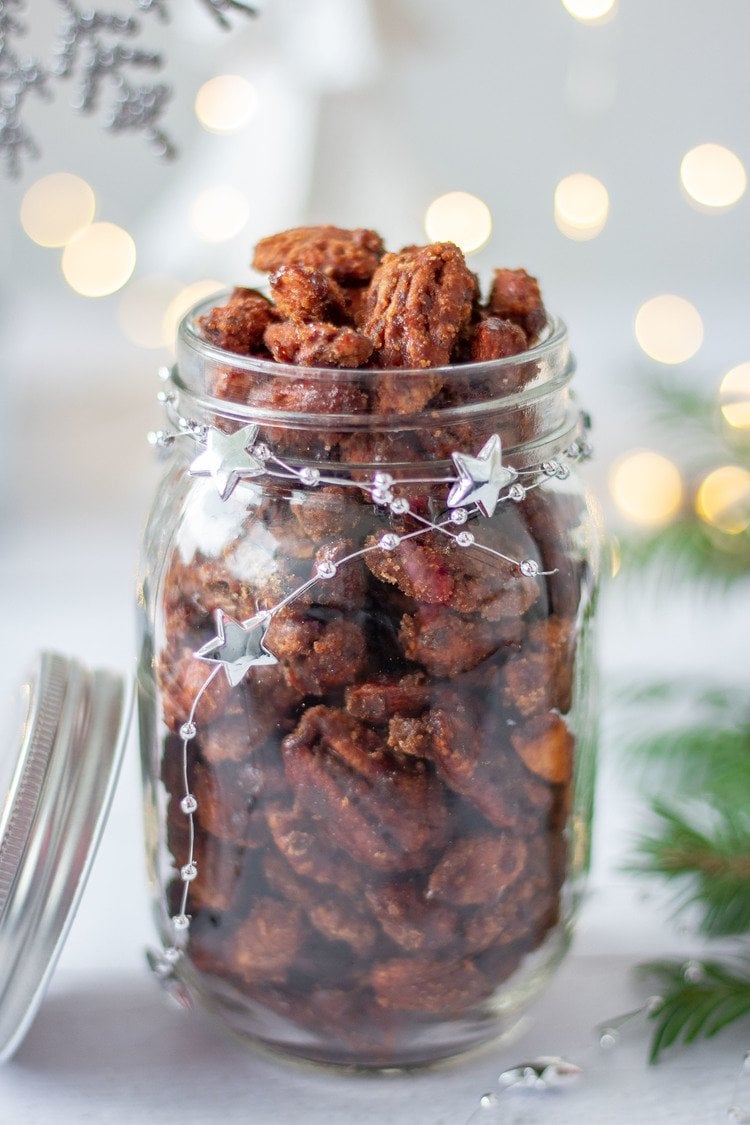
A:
447,643
386,811
317,344
221,868
377,447
325,511
409,919
526,683
265,944
555,520
234,739
493,338
238,326
545,746
478,869
348,587
232,384
378,700
346,255
434,570
228,798
180,677
420,300
311,856
303,293
317,656
194,591
440,988
470,757
522,917
555,638
515,296
336,917
356,302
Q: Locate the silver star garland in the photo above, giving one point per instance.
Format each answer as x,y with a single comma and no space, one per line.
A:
482,481
91,48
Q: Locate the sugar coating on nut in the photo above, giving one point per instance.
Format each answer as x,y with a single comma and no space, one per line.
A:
238,326
515,296
303,293
346,255
317,344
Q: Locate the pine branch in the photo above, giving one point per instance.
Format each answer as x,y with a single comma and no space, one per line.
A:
687,551
713,866
699,1008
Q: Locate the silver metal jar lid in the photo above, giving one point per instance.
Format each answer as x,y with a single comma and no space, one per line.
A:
72,743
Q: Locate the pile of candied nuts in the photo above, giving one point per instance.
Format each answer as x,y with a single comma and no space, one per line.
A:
380,834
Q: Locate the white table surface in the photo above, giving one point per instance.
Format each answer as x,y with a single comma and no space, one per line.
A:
106,1047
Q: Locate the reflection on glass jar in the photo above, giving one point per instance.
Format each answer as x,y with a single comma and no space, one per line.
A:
365,684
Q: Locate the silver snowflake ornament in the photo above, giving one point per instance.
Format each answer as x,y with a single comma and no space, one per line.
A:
481,479
238,646
227,459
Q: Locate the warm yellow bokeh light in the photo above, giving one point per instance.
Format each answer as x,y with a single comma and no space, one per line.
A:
581,206
142,310
225,104
57,207
98,260
646,487
590,11
669,328
183,302
723,499
713,176
461,218
219,213
734,395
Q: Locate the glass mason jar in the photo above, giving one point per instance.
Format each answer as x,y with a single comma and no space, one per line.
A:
365,687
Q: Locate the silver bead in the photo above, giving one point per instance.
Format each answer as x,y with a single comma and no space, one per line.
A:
189,804
262,452
464,538
325,569
382,495
165,373
399,506
188,730
172,954
382,480
181,922
517,492
563,472
309,475
459,515
549,468
188,872
389,542
529,568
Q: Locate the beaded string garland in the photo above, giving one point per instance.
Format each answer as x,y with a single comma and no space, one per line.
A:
480,482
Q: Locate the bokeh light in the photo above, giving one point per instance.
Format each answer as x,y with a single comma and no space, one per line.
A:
669,328
734,396
646,487
56,207
225,104
581,206
99,260
713,176
459,217
187,297
590,11
142,310
219,213
723,499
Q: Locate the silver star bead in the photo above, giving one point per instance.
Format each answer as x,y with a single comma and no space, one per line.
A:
238,646
481,478
226,459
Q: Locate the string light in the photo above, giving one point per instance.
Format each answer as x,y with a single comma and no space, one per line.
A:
142,310
713,176
225,104
669,329
183,302
219,213
646,487
723,499
590,11
56,207
581,206
459,217
98,260
734,394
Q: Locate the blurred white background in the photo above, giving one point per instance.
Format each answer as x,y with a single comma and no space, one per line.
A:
362,113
